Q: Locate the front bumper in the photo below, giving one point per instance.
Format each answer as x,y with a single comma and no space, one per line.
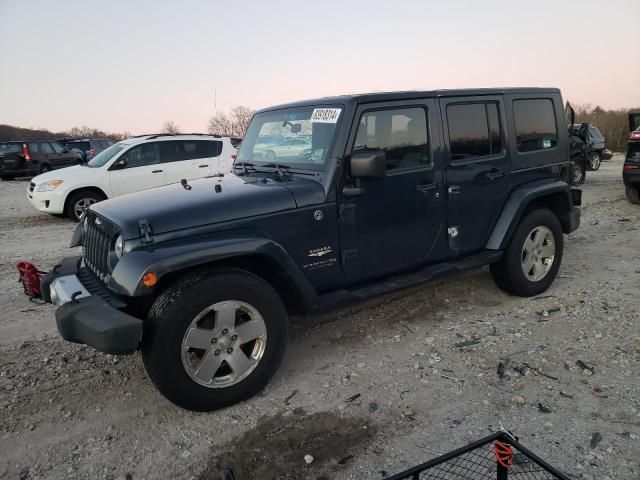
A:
48,202
87,312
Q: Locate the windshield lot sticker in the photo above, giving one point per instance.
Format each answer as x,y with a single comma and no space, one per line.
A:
317,155
546,143
325,115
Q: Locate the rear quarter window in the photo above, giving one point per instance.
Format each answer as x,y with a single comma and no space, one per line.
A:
194,149
535,123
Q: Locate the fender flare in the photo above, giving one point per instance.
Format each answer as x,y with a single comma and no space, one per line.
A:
517,203
170,257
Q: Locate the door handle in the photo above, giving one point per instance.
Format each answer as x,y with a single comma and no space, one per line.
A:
203,166
494,174
426,188
454,189
156,171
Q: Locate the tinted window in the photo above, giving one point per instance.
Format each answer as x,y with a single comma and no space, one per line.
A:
34,147
10,148
201,149
535,124
142,155
595,134
401,134
104,156
45,147
474,130
57,147
84,146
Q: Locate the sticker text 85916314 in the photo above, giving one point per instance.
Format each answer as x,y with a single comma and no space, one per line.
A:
325,115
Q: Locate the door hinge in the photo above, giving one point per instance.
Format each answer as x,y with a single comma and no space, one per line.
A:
146,232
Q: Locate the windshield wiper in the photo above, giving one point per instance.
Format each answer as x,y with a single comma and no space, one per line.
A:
244,166
283,170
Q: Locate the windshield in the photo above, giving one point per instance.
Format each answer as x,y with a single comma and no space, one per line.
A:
299,137
104,156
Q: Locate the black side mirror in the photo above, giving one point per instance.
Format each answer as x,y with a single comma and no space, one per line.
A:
370,164
120,164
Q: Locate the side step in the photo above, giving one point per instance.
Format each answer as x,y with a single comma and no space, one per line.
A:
399,282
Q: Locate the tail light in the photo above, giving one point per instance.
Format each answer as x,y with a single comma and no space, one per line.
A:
25,152
629,166
634,136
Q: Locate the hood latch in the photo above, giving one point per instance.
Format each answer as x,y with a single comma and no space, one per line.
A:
146,232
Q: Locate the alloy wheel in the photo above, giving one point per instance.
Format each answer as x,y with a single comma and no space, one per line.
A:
223,344
538,253
82,205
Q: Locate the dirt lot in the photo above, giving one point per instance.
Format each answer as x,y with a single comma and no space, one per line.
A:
367,391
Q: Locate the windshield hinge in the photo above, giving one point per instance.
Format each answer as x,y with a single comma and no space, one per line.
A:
146,232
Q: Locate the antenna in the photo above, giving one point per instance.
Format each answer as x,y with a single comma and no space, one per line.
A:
215,102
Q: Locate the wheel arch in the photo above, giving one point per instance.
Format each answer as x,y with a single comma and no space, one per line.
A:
259,256
82,189
555,196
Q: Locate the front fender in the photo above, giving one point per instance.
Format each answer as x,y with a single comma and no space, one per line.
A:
173,256
517,203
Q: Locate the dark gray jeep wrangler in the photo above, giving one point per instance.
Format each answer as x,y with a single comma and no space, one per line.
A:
332,201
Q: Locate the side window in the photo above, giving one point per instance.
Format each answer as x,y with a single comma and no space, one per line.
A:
474,130
34,147
142,155
57,148
46,148
400,133
194,149
171,151
535,124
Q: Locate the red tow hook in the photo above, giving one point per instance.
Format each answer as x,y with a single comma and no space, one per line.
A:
30,278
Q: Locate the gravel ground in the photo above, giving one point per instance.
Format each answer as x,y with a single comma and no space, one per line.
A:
367,391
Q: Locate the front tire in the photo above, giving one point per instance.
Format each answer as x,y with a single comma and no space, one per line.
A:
595,161
633,194
44,168
215,338
533,257
81,201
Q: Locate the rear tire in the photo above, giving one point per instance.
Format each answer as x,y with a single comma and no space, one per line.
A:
190,355
578,171
633,194
80,201
540,256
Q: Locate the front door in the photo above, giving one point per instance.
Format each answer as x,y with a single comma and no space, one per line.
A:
139,168
477,170
394,221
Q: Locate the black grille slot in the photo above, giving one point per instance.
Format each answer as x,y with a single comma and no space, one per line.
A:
97,237
32,186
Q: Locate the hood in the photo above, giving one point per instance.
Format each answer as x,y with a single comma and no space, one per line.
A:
173,207
67,174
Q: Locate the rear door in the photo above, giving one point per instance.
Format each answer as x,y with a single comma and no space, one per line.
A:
477,170
139,168
189,159
43,151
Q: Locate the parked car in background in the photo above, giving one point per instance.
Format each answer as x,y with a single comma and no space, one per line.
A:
631,168
25,158
134,164
596,146
89,147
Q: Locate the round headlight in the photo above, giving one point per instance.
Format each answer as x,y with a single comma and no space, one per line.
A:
119,246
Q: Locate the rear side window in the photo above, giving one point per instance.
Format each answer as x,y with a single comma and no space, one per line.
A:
201,149
400,133
595,134
57,147
34,147
46,148
535,121
474,130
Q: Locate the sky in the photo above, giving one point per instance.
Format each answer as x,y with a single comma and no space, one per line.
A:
132,65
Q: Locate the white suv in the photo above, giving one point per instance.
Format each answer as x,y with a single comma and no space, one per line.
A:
134,164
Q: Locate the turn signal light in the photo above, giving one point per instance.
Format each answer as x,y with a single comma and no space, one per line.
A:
628,166
149,279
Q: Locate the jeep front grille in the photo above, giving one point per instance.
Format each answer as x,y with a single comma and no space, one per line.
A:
97,237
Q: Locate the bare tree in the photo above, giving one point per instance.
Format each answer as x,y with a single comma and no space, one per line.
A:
170,127
233,124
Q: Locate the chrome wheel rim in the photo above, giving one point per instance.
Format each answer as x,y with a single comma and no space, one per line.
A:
82,205
595,161
223,344
538,253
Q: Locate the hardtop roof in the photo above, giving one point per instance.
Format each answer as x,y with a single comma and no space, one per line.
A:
408,95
